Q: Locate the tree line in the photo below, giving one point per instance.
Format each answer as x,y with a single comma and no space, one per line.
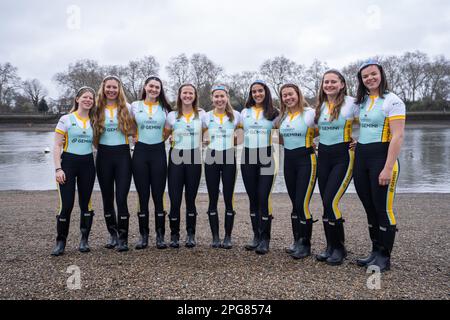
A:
422,82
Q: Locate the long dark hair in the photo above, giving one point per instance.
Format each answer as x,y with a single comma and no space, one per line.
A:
362,91
162,96
322,97
270,112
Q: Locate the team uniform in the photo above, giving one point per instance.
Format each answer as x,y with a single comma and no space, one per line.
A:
220,162
149,164
258,167
334,173
77,162
300,165
114,170
370,157
185,169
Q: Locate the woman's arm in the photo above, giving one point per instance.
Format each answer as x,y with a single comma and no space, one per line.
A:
397,128
57,148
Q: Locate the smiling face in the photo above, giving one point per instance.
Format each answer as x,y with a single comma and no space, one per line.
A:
258,93
85,101
187,95
332,84
153,89
371,77
289,97
111,89
219,100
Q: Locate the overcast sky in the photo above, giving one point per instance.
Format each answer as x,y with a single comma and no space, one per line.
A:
42,37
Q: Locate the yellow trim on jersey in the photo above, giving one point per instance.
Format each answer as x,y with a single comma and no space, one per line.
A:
348,130
311,185
397,118
330,107
188,116
258,111
386,135
391,194
60,132
372,102
293,115
309,137
84,120
151,104
111,110
66,141
344,185
220,116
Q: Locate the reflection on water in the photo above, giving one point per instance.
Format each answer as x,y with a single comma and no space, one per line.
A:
424,162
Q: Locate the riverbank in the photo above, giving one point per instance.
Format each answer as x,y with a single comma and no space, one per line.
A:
420,265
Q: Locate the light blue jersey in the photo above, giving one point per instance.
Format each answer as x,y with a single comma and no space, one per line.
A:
257,129
186,130
375,115
112,136
78,134
339,130
150,121
297,129
220,130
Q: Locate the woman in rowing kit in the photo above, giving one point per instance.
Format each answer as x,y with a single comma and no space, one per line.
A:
75,166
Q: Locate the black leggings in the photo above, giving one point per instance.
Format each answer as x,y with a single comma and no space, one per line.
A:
300,167
114,167
150,172
185,170
377,200
334,173
220,164
258,167
79,170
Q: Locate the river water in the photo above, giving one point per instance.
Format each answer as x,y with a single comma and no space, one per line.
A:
424,162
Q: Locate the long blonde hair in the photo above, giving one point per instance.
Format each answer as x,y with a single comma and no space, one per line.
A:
228,108
127,124
340,100
80,92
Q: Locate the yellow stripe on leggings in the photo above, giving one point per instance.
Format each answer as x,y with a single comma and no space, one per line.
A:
90,204
391,194
344,185
273,182
310,189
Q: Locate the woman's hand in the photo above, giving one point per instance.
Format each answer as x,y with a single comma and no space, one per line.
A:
385,177
353,144
60,176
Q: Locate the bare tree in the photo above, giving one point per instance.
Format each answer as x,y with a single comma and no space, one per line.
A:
413,71
437,83
178,72
9,83
135,73
278,71
35,91
81,73
239,86
313,77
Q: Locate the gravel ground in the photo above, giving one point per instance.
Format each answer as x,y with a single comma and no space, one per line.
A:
420,263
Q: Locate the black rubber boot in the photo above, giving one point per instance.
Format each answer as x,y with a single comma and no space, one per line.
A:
191,220
111,225
386,237
229,221
214,224
160,227
143,218
266,225
123,224
85,228
174,232
62,230
295,222
254,217
323,256
304,247
337,243
364,262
